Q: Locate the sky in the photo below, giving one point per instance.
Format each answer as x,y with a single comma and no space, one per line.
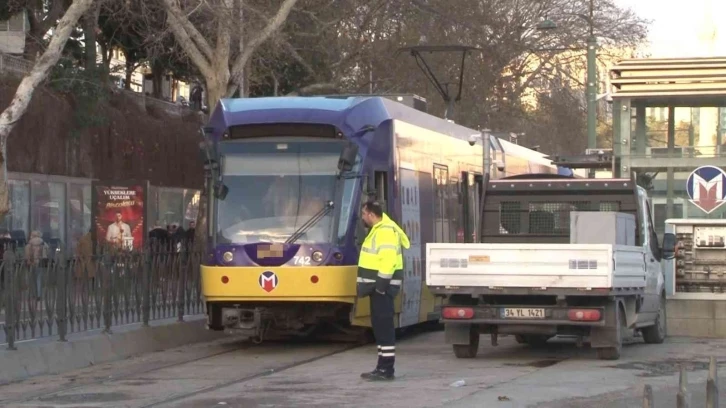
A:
682,30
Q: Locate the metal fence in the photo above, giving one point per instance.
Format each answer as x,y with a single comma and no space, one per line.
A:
15,65
683,397
55,295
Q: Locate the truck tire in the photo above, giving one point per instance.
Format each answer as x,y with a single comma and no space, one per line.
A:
656,333
609,353
468,350
613,353
534,340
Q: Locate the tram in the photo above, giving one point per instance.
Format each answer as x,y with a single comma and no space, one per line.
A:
287,180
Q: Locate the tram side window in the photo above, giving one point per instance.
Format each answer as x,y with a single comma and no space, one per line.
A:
441,213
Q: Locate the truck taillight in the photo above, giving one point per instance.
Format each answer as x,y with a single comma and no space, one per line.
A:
458,313
583,315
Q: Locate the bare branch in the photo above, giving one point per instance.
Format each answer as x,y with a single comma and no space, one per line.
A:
316,89
272,26
195,37
185,41
296,56
222,52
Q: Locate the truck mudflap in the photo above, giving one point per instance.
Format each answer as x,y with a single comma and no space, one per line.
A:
524,315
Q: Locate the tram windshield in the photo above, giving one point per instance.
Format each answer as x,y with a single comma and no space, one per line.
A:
275,187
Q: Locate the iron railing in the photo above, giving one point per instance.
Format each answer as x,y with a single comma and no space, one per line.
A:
9,63
57,296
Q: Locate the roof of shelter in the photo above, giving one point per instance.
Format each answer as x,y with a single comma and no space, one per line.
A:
671,81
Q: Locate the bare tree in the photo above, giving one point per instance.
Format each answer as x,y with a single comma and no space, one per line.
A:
357,42
19,104
216,37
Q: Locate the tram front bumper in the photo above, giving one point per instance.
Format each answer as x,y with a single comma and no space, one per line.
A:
283,283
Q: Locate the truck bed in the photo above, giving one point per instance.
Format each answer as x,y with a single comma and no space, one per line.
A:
541,266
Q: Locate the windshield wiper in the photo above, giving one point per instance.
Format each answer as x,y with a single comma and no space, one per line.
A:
329,205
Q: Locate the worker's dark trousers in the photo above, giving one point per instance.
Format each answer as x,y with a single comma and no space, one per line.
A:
383,329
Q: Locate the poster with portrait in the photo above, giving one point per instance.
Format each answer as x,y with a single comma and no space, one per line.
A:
119,210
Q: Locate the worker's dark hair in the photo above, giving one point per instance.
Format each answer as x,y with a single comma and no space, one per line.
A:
374,207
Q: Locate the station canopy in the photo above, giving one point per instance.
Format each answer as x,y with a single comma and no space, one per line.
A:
686,82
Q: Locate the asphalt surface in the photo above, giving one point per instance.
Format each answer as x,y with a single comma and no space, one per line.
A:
235,373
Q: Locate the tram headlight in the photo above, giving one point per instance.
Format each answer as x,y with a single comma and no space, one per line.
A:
227,256
317,256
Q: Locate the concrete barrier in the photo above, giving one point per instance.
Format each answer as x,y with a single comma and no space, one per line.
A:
696,318
52,357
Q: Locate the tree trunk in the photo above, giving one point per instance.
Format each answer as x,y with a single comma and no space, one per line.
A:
105,57
216,90
90,22
130,65
14,112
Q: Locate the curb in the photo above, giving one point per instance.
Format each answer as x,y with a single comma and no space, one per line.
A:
57,357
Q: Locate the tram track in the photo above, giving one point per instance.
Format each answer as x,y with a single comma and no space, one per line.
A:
83,391
126,376
247,378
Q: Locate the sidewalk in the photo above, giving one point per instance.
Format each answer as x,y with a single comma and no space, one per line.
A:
48,355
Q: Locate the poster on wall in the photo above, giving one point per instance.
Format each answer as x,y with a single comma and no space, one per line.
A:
119,210
705,188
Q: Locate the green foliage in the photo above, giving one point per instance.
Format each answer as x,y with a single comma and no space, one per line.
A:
9,8
89,90
5,13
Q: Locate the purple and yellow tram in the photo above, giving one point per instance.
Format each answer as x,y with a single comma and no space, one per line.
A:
292,173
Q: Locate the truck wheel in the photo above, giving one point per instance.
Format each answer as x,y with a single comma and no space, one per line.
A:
613,353
468,350
656,333
534,340
609,353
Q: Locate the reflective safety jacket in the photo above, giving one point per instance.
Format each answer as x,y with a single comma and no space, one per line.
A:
381,256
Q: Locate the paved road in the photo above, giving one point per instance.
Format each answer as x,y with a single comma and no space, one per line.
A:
237,374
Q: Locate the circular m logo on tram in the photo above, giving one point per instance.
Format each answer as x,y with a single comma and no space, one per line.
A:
268,281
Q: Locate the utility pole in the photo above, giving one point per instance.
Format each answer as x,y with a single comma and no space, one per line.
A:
591,83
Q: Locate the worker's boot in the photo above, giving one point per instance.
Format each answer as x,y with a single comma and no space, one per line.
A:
367,376
384,368
380,374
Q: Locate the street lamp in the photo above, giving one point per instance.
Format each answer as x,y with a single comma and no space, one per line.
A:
591,74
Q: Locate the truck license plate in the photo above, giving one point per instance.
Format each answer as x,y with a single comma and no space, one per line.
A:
522,313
